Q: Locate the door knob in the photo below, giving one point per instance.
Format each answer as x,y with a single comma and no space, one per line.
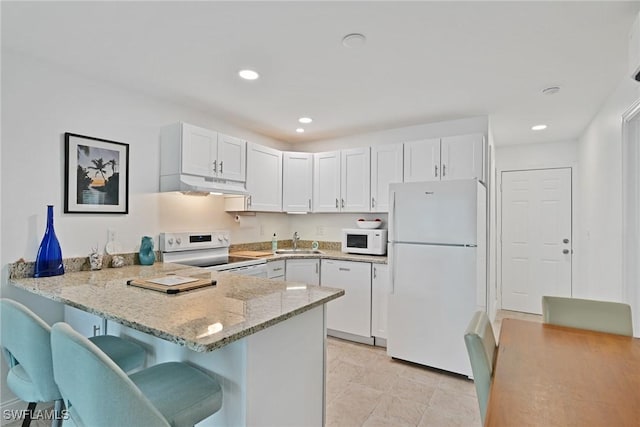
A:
565,251
565,240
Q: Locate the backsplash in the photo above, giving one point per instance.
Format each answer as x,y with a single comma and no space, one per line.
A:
284,244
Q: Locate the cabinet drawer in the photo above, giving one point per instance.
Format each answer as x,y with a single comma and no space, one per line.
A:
275,269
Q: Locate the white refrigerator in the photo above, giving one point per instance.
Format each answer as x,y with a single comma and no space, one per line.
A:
438,265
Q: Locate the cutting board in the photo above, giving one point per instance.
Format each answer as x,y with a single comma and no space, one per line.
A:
171,289
257,254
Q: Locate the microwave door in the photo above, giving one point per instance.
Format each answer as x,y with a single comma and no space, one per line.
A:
357,241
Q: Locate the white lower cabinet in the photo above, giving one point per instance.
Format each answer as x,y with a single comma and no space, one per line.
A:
275,270
379,300
303,270
351,313
86,324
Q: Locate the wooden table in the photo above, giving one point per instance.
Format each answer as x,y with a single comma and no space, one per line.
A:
550,375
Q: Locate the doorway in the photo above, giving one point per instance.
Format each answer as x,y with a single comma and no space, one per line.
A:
536,237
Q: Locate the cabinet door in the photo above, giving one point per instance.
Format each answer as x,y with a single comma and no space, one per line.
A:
462,157
351,313
303,270
386,168
355,173
198,150
326,182
231,158
264,178
275,270
297,182
87,324
422,160
380,290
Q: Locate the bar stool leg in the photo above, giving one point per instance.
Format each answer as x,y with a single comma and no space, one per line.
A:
27,416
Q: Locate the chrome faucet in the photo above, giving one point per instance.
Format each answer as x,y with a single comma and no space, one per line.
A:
295,239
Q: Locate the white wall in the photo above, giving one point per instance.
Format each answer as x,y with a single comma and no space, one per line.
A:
39,103
599,229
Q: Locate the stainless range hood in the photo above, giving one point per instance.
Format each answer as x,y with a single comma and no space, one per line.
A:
191,184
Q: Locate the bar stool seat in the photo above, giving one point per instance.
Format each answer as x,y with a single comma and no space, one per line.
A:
98,393
26,341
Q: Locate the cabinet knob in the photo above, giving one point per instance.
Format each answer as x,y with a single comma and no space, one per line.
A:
565,240
221,162
444,169
565,251
215,166
373,202
342,203
435,171
337,204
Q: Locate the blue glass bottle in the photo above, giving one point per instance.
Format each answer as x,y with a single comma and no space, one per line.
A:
49,258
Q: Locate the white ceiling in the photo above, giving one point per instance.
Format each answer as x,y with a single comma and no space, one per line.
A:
423,61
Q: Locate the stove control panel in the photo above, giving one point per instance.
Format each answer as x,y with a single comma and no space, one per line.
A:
172,242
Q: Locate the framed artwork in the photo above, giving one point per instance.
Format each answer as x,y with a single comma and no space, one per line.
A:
96,175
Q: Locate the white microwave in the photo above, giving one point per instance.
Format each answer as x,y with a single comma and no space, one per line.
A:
364,241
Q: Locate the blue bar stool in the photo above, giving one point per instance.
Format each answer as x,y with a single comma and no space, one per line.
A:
26,341
98,393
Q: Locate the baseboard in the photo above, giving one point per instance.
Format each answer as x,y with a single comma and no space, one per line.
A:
350,337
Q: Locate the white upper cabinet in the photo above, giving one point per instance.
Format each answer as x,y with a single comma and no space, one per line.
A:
264,178
446,158
386,168
297,174
199,150
326,182
202,152
422,160
462,157
355,173
341,180
231,158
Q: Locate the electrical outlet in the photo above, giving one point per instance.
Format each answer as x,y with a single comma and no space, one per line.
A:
111,235
320,231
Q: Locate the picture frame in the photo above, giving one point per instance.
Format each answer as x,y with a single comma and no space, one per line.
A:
96,175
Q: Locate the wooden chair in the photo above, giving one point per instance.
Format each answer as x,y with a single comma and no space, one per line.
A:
601,316
481,346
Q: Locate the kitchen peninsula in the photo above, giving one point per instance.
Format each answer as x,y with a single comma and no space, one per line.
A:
263,339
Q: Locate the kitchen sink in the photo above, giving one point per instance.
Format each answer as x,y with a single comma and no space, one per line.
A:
297,251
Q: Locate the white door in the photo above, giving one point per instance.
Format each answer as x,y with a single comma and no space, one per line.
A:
231,158
297,182
422,160
198,150
264,178
355,174
536,237
462,157
326,182
386,167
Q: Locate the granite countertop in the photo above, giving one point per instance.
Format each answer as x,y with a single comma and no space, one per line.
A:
330,254
239,305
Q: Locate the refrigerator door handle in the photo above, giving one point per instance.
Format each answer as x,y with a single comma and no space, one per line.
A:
392,216
392,275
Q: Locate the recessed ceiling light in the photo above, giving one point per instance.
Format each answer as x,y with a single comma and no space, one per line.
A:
539,127
354,40
300,130
551,90
248,74
305,120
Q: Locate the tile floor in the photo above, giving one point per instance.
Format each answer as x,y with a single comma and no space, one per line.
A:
367,388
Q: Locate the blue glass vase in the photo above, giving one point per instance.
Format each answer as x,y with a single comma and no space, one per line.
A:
49,258
146,254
